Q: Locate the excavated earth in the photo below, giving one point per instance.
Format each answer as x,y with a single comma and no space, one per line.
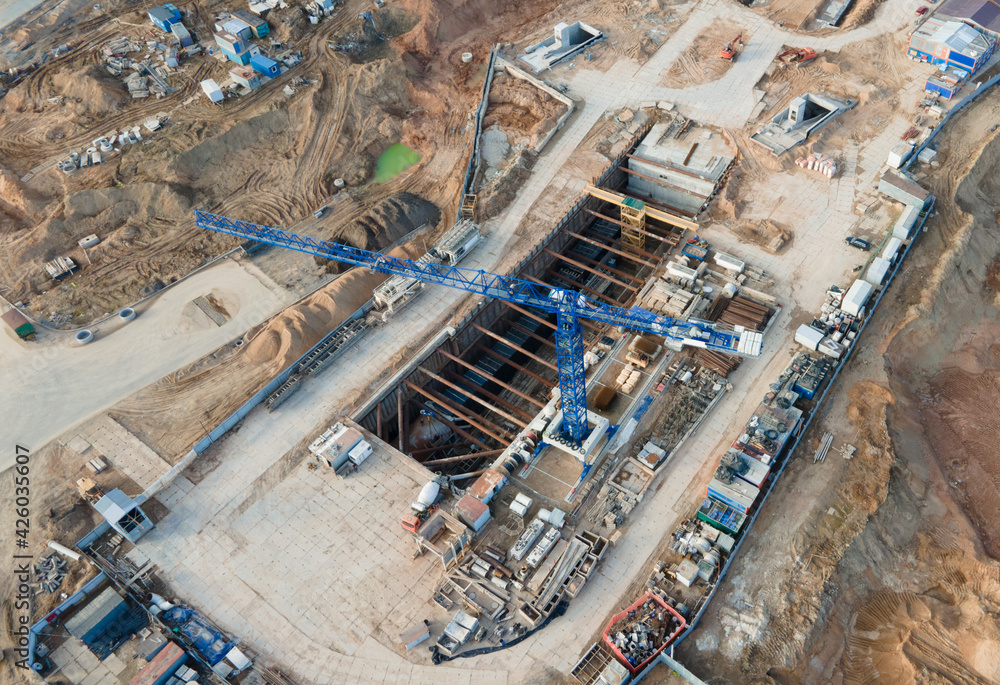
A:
884,568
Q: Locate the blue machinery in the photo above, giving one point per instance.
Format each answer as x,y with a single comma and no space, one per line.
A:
568,306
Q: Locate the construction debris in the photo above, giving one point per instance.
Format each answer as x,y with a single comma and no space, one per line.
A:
49,573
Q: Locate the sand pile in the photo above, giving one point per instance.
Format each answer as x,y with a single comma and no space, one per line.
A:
194,395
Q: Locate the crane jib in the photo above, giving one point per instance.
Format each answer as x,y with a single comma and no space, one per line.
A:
569,306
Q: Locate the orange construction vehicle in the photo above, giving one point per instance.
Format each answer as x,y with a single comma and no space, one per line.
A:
728,51
796,56
415,519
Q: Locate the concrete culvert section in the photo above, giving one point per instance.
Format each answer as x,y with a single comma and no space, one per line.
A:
83,337
127,314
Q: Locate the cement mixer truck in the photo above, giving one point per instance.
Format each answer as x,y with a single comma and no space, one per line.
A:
425,505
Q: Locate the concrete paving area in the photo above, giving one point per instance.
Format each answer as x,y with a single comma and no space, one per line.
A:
60,384
242,513
314,571
281,563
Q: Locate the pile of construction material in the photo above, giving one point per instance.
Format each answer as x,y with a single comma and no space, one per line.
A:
824,164
138,85
742,311
92,156
643,350
668,299
628,378
49,573
117,62
641,632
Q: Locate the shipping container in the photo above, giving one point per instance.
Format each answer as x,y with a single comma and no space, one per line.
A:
263,65
808,337
906,223
856,297
877,271
212,90
721,516
891,250
739,495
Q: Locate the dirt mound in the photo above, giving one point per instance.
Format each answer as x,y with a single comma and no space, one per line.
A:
19,196
94,90
85,90
195,397
767,233
391,219
225,157
963,422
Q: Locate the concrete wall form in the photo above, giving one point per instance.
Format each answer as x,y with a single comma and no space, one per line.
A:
487,312
504,65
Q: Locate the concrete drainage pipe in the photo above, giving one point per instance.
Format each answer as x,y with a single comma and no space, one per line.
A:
83,337
126,314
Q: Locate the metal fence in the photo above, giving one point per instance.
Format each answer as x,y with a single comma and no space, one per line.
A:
983,87
808,422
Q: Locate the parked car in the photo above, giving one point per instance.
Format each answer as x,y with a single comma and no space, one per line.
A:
859,243
922,10
319,212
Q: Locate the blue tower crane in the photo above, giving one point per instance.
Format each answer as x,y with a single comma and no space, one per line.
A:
568,306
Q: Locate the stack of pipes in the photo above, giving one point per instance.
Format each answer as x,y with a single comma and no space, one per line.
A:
824,164
49,573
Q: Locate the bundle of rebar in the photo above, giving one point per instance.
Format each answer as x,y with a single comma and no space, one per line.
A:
722,364
741,311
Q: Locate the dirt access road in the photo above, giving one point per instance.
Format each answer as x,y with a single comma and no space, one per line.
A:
53,383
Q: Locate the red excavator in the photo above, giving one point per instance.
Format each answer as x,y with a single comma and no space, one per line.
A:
796,56
728,51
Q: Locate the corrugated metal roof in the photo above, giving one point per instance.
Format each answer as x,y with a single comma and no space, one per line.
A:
114,505
984,13
234,25
961,38
94,612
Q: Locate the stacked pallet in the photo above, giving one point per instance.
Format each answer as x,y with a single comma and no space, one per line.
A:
824,164
668,299
741,311
627,379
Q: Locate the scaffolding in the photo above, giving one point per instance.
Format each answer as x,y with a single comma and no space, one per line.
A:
633,225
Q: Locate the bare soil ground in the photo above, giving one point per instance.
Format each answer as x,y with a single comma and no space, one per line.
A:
801,14
702,63
884,568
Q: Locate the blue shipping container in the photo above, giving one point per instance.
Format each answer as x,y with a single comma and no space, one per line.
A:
264,65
